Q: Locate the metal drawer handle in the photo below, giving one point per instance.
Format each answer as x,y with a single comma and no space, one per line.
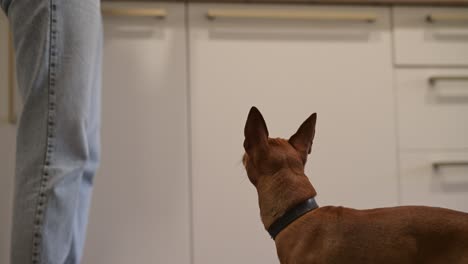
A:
11,82
446,17
437,164
134,12
433,79
292,15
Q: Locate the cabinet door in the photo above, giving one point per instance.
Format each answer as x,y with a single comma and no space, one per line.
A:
140,211
289,69
7,142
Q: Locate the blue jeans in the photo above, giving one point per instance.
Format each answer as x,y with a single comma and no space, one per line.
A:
58,53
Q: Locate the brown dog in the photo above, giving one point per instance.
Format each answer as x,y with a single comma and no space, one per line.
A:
304,233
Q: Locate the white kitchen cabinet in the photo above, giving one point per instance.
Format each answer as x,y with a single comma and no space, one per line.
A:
289,69
432,108
7,143
437,178
436,36
140,211
431,81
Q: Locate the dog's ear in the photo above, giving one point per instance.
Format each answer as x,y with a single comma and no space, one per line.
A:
255,131
302,140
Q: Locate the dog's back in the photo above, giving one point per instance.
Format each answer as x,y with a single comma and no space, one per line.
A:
407,234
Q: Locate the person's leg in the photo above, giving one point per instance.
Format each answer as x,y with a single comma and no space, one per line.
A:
58,55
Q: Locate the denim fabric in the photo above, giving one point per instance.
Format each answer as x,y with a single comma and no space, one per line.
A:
58,50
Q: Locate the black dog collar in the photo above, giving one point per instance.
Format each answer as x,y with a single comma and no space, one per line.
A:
291,215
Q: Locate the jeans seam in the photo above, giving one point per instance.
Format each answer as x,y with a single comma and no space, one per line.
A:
45,173
4,7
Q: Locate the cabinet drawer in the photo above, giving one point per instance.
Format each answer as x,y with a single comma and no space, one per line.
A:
432,108
435,179
431,36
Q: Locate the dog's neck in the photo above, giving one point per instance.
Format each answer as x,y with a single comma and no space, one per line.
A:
280,193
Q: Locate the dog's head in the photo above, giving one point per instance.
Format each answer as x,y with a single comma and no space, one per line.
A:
266,157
